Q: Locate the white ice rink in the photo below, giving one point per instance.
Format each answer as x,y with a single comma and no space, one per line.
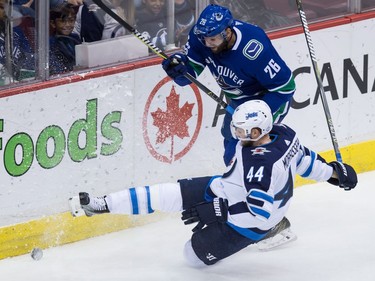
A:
336,241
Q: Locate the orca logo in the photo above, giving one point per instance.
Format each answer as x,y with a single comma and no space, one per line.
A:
218,16
252,49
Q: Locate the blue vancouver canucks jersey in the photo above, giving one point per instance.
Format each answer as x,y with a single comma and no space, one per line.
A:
251,68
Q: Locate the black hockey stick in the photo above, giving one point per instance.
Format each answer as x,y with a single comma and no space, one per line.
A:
161,54
310,46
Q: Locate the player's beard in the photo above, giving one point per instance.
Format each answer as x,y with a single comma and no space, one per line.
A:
221,48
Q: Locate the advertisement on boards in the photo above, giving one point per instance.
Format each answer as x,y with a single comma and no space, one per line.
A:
138,127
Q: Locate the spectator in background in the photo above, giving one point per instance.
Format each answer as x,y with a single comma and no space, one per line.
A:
52,3
25,7
56,3
89,24
254,12
137,3
151,20
184,17
368,4
125,9
27,22
62,39
20,55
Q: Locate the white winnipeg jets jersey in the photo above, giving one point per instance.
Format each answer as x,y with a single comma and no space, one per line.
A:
259,184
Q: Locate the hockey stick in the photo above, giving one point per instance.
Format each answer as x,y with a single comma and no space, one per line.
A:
310,46
161,54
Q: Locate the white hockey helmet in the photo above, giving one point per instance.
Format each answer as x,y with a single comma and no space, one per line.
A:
249,115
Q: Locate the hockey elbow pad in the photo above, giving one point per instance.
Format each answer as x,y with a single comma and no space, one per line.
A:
346,176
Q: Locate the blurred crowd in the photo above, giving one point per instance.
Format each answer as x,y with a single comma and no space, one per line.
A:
73,22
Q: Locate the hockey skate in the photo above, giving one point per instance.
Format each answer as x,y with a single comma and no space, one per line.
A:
86,205
279,235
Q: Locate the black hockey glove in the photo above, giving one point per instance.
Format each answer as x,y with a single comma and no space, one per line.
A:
176,65
347,177
206,213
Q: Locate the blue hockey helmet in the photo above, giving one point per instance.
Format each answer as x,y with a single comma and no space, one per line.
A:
213,20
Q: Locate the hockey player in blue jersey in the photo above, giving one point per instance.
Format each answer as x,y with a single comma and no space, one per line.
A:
245,205
243,61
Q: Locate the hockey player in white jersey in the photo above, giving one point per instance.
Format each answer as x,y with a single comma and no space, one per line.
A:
247,204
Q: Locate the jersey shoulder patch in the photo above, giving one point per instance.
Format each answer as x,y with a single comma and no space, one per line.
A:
253,49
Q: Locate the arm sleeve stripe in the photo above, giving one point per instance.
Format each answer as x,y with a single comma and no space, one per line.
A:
261,195
260,212
309,169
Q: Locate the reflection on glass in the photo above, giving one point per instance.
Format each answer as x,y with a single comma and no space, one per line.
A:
274,15
16,43
368,4
152,18
125,9
327,8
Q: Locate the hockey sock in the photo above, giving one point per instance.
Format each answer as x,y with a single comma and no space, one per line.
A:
146,199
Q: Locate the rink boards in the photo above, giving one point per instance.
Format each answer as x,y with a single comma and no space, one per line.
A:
110,129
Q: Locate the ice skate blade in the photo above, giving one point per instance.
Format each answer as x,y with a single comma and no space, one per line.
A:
284,237
75,207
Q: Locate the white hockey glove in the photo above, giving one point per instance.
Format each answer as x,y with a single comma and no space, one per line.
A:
347,177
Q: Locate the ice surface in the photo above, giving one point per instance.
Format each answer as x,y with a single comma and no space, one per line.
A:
336,241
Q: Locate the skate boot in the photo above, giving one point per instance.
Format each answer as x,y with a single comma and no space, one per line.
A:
93,205
83,204
280,234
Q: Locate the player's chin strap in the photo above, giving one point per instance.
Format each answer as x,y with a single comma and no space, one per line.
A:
227,40
160,53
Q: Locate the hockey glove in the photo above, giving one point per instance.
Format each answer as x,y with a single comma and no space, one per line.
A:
347,177
176,65
206,213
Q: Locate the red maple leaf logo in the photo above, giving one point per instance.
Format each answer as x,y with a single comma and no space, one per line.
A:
172,122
